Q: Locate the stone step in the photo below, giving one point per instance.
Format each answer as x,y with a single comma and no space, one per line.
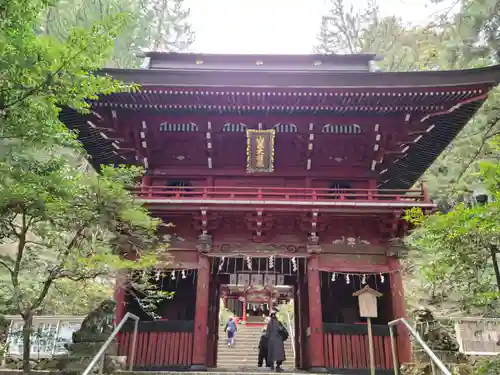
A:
221,359
242,350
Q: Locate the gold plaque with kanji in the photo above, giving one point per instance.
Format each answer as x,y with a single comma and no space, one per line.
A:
260,151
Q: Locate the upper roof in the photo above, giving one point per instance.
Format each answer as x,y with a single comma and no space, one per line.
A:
201,61
440,102
266,78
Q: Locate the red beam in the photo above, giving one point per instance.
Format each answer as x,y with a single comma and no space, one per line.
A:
279,193
353,173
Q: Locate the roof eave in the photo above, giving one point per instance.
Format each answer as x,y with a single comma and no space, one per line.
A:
305,79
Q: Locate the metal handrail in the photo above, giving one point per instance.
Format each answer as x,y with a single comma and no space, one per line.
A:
104,347
292,332
435,360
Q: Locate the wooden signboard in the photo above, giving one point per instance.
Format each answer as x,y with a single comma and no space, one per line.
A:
367,299
257,279
260,150
269,279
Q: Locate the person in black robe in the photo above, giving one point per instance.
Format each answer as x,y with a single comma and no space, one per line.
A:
276,335
263,349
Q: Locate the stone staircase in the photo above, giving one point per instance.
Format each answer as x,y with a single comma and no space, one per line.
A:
244,353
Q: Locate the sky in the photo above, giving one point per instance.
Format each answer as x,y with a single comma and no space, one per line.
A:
277,26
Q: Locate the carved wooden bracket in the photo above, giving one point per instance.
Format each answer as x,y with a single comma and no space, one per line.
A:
313,246
397,248
204,243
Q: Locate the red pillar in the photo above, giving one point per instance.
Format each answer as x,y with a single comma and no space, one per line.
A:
201,316
244,309
316,350
119,296
399,311
146,185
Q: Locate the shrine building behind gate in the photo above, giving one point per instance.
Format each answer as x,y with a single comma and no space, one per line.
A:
292,170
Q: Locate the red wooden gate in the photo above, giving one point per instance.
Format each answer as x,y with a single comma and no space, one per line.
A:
161,345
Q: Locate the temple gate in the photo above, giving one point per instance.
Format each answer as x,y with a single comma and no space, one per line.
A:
295,169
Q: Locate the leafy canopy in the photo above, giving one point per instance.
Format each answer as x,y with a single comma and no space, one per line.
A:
40,74
63,223
58,223
454,250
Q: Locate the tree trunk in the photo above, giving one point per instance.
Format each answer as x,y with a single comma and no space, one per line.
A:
27,328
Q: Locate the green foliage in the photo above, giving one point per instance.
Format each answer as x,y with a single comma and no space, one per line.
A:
224,315
487,366
343,28
66,297
451,40
284,311
60,225
67,224
158,25
453,250
41,74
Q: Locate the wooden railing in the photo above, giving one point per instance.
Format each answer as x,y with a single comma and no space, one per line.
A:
280,194
346,347
161,345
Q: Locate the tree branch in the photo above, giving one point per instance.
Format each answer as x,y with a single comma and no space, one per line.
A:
2,263
485,138
45,290
14,275
46,82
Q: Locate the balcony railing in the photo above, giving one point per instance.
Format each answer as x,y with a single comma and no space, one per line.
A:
279,194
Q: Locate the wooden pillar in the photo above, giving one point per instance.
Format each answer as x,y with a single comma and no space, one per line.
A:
399,311
244,309
146,185
201,316
119,297
316,350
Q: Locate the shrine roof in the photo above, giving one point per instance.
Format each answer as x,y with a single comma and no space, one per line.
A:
310,62
419,112
262,77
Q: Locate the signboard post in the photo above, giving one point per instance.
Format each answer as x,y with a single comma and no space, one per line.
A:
367,300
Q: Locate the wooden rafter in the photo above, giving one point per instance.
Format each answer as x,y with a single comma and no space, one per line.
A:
310,147
144,144
209,145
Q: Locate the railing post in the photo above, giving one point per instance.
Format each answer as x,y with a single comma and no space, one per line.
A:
104,347
205,192
134,344
259,193
425,193
146,186
395,361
